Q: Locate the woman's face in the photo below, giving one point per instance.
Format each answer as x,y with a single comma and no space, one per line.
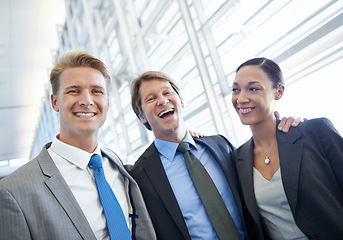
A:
253,95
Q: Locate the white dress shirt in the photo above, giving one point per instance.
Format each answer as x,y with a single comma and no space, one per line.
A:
72,163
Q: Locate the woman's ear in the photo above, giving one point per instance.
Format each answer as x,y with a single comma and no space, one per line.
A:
279,92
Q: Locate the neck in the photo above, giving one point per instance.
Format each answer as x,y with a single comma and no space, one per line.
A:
86,143
176,136
264,132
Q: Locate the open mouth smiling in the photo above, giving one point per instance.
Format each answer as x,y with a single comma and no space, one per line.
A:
166,113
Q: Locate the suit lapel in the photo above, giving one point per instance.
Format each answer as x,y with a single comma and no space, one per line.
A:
290,154
141,223
219,154
158,178
59,188
245,174
116,160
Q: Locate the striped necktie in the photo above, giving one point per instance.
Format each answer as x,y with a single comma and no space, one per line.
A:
115,219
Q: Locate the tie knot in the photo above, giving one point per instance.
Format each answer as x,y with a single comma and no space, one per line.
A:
183,147
95,162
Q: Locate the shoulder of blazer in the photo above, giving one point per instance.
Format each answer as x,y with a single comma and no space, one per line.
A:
149,153
150,150
314,126
112,155
41,163
216,141
221,150
115,159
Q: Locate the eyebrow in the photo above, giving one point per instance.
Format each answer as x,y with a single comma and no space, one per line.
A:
78,86
72,86
98,86
249,83
149,95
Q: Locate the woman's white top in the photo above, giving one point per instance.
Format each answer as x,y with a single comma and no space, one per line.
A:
273,207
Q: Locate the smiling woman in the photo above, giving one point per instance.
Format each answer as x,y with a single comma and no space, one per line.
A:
256,90
309,155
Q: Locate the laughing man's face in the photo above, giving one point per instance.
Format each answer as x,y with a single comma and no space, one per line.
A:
162,109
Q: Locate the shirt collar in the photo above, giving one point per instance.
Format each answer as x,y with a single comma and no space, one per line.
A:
72,154
168,149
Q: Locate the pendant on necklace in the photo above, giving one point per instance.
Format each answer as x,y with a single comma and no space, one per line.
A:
267,161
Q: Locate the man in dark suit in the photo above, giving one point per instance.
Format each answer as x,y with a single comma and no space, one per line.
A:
54,196
171,198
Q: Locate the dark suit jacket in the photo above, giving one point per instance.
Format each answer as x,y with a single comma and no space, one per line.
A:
37,203
162,206
311,163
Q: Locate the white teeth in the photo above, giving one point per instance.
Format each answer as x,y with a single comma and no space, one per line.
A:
165,111
85,114
245,110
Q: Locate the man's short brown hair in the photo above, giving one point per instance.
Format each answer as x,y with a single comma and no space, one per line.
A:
77,59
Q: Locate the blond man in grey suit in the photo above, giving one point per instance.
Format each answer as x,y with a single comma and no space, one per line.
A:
54,196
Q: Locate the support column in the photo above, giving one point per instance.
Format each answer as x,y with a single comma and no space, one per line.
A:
202,67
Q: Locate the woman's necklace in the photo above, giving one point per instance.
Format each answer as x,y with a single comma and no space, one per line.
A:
267,160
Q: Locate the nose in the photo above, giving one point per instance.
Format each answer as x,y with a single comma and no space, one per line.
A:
242,97
162,100
86,99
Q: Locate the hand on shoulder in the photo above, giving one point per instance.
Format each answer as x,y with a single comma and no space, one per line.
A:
287,122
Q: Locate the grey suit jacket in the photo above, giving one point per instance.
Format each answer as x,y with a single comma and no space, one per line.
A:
36,203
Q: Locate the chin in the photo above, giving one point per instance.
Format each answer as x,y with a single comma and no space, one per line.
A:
246,121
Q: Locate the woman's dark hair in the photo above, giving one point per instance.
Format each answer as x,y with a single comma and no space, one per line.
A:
269,67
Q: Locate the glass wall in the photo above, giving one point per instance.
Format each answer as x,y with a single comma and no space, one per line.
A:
200,43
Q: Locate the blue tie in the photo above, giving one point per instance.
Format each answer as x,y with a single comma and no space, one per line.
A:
115,219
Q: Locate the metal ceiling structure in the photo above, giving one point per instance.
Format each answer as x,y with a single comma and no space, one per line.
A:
27,45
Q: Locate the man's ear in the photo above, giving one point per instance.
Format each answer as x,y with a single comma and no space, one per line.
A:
54,103
279,92
142,118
